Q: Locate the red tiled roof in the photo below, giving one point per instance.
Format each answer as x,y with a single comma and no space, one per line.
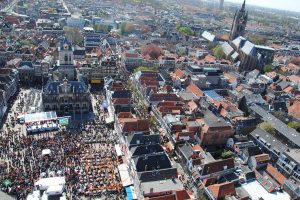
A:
195,89
179,73
294,110
192,105
231,77
218,166
220,191
295,79
125,115
275,174
289,89
189,134
135,125
121,101
209,181
166,103
209,58
131,55
164,97
176,195
262,158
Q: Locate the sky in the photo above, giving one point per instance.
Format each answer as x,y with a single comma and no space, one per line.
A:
292,5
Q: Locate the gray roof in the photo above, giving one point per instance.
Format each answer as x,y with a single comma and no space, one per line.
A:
146,149
187,96
264,48
266,137
156,175
208,36
235,55
238,41
161,185
294,154
249,48
284,130
228,50
213,121
186,150
141,139
55,87
253,74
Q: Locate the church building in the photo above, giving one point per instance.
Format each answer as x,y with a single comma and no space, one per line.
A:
239,23
63,93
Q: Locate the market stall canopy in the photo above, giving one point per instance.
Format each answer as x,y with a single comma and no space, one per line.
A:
124,174
46,152
39,117
7,182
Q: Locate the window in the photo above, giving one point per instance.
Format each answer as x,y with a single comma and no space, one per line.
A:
66,58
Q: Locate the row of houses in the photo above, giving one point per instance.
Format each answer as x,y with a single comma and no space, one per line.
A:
149,170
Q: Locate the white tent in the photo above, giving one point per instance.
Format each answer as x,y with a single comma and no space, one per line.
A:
118,150
55,190
124,174
45,183
46,152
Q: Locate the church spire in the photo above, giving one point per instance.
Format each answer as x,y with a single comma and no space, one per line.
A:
244,5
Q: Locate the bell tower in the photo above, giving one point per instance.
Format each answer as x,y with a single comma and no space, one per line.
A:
239,22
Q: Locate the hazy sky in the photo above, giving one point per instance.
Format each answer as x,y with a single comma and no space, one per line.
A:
293,5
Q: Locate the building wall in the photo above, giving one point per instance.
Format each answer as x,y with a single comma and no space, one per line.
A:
216,136
69,103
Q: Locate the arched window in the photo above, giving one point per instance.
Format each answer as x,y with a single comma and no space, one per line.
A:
66,58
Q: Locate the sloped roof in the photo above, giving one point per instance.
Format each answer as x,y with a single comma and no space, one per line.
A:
249,48
228,50
195,89
294,110
220,191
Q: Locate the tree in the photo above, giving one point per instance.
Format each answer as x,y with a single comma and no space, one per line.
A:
186,30
294,125
280,115
219,52
258,40
101,28
127,27
268,127
152,50
145,69
74,34
268,68
227,154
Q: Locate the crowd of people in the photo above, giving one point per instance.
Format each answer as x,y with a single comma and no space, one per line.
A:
85,156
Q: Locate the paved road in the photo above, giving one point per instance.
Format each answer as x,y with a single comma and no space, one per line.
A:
4,196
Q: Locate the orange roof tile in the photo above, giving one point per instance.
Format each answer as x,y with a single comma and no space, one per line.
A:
276,174
262,158
294,110
179,73
220,191
231,77
295,78
288,89
195,89
239,88
210,58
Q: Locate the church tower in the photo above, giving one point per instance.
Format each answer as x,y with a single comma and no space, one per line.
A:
239,22
65,63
